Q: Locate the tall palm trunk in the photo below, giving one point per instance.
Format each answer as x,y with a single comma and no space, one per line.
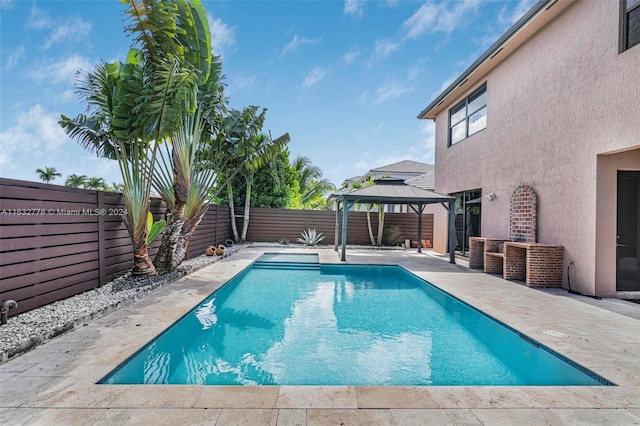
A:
373,240
175,221
183,240
380,223
142,264
232,211
247,206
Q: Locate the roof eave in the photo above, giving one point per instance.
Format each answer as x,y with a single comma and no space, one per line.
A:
526,19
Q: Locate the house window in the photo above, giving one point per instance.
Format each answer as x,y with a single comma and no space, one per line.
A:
629,24
469,116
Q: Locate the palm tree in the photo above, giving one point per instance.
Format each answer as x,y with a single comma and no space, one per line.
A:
75,181
117,187
135,105
48,174
268,147
96,183
177,177
310,181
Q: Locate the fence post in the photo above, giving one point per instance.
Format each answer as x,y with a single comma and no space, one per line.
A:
101,241
215,227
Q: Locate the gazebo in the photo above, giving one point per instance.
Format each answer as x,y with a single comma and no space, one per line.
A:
393,191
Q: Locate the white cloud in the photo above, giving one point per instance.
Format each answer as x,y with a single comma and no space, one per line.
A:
439,17
392,89
509,17
396,86
33,131
384,48
6,4
60,72
13,58
295,44
222,35
423,151
314,77
39,18
76,30
354,8
351,56
67,96
444,85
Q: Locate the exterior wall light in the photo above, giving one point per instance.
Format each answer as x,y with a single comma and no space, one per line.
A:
490,196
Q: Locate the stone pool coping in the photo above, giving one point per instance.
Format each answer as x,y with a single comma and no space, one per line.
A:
55,383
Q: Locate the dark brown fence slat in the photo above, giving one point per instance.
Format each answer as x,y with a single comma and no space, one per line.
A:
271,225
10,244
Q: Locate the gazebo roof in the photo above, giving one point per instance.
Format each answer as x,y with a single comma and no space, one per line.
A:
391,191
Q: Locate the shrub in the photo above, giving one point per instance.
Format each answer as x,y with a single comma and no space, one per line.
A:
393,235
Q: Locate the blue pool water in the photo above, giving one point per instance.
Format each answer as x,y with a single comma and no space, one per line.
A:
342,325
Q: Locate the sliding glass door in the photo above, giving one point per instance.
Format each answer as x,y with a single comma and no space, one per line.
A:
468,215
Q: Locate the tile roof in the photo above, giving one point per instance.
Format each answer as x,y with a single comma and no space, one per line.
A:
406,166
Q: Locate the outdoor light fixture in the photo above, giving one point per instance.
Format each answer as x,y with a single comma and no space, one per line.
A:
490,196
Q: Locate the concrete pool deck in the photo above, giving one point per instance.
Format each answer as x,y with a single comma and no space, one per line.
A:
55,382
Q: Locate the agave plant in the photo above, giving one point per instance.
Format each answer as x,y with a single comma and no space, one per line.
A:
310,237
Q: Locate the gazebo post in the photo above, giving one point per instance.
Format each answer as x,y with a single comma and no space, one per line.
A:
452,231
419,211
345,210
337,232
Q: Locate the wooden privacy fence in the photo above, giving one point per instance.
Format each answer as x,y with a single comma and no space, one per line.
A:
57,241
270,225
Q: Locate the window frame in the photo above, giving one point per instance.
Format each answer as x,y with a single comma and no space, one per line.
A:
624,30
464,105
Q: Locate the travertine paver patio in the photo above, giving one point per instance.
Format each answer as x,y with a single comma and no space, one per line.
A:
55,383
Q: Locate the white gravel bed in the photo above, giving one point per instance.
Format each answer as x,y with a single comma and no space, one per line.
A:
30,329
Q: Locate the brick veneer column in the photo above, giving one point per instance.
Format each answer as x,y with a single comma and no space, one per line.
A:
476,253
514,263
523,217
545,266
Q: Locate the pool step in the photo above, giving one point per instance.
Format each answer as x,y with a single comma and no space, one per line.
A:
286,265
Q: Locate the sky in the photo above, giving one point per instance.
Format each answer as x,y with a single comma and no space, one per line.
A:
345,79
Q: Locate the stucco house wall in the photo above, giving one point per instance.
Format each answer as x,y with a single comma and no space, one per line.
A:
556,108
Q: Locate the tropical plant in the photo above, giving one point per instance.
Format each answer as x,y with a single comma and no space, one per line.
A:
393,235
48,174
136,104
95,183
117,187
75,181
310,237
254,151
153,228
262,142
313,187
275,184
283,241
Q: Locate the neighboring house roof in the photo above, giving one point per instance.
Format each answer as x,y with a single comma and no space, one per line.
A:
353,179
424,181
406,166
538,16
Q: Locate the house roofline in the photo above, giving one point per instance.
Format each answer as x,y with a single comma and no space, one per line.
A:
493,51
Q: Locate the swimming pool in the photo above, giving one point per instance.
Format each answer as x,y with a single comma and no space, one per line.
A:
313,324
